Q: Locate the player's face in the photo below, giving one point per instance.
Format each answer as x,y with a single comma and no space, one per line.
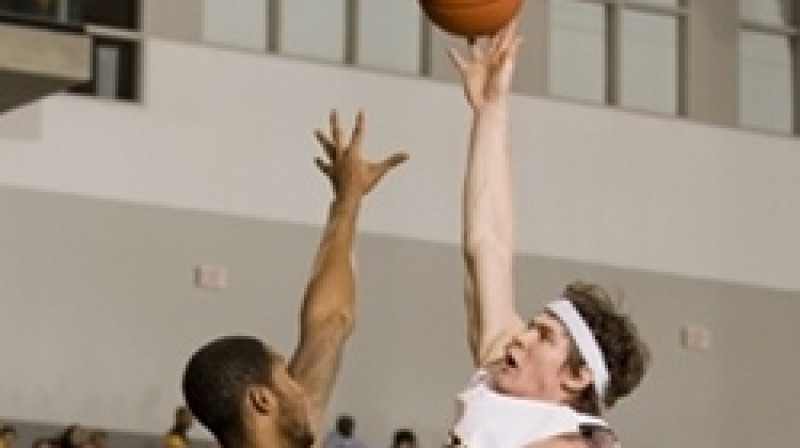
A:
293,412
535,361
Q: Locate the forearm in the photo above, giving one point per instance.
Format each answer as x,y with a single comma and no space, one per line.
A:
328,311
487,232
487,183
330,294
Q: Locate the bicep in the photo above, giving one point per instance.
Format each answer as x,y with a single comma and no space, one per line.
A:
315,366
492,319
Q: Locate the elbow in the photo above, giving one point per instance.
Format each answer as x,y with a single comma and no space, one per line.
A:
337,324
345,322
471,246
494,247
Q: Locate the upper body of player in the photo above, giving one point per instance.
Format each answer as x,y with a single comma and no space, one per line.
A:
242,390
580,354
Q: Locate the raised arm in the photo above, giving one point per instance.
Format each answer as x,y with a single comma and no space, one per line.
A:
327,314
487,216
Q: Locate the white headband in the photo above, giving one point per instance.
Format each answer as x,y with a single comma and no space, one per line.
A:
584,339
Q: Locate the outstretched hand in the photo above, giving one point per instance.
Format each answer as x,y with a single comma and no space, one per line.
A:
348,172
486,72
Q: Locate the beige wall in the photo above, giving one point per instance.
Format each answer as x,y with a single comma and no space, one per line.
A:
104,313
100,315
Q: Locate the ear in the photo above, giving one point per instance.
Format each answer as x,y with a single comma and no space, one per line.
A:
576,382
261,400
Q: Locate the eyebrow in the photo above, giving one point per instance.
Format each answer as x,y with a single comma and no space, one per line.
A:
556,327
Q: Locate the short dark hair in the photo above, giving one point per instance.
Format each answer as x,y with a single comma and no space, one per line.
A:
345,425
216,379
404,435
44,442
8,429
625,353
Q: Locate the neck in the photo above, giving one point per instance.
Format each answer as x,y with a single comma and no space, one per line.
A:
263,433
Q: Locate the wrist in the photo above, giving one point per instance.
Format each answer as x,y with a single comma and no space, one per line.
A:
346,201
493,107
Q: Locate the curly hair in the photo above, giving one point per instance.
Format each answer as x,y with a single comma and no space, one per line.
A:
626,354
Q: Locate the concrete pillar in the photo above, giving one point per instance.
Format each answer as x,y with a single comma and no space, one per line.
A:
712,71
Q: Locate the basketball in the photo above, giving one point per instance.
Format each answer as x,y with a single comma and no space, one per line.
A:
470,18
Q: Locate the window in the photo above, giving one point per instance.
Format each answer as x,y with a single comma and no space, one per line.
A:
66,12
313,29
768,40
122,14
649,62
116,46
389,35
628,52
766,12
577,40
237,23
114,68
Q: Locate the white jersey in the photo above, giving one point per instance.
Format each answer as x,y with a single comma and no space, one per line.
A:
488,419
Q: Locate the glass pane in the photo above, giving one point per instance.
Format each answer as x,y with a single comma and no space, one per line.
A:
389,35
115,70
239,23
107,71
766,82
313,28
112,13
664,3
577,40
774,12
649,58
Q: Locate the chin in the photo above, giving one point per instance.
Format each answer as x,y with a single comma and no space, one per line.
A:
501,383
296,431
304,440
299,438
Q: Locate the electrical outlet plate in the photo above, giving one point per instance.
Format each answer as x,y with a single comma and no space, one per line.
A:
211,276
696,337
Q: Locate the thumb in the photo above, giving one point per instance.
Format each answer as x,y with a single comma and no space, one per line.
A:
395,159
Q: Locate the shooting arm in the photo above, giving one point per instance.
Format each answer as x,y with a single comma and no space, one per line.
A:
487,235
487,216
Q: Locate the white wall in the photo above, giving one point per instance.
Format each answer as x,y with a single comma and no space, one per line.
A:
230,133
100,315
662,195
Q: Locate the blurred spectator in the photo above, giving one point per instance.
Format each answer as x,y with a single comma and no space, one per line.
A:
344,434
44,442
177,437
404,438
8,435
97,439
74,436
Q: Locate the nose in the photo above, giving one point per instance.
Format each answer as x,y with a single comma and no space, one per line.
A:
524,338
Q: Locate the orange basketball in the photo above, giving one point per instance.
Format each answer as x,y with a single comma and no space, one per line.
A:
470,18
